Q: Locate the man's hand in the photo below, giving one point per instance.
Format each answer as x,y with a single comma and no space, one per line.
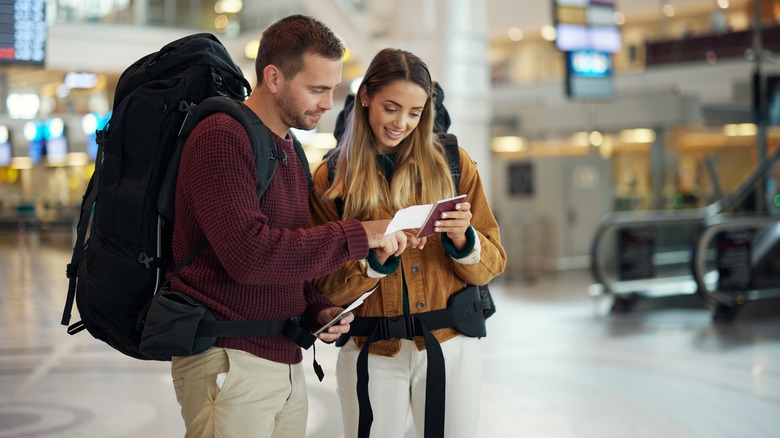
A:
392,244
413,241
337,329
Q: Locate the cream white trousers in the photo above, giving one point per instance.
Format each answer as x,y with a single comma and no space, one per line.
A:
397,384
231,393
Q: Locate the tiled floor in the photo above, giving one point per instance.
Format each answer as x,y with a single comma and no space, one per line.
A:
556,365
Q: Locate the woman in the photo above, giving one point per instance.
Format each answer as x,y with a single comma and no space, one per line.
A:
388,159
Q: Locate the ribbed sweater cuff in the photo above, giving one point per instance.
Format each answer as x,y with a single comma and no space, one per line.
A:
357,240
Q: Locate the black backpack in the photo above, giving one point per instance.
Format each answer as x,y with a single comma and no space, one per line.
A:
129,203
441,123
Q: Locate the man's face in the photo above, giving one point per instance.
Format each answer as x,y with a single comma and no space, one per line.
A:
304,98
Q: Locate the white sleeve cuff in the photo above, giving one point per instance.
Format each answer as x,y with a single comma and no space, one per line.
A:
474,255
369,271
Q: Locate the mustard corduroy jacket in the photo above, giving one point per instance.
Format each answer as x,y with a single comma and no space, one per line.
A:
431,275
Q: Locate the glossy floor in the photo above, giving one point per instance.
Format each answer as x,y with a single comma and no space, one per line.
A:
556,364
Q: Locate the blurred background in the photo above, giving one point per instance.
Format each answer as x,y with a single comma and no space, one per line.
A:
629,149
608,105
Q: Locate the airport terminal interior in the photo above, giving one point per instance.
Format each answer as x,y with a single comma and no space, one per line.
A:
630,150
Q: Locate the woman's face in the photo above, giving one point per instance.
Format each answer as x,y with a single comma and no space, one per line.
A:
394,112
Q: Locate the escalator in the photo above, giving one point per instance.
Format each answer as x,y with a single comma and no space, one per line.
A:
736,265
651,259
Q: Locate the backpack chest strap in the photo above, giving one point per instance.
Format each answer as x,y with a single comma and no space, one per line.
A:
463,316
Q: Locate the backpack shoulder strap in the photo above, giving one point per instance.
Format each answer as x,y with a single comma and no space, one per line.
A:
331,159
450,143
263,145
303,159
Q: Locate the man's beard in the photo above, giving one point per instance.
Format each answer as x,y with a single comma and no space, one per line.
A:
290,115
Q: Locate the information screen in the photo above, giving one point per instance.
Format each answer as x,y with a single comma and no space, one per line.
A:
5,154
589,75
22,31
586,25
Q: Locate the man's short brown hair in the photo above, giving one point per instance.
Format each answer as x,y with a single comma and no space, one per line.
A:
284,43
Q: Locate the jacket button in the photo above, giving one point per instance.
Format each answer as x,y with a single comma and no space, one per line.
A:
420,305
415,269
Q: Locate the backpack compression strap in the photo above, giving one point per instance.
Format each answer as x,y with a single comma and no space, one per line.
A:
81,233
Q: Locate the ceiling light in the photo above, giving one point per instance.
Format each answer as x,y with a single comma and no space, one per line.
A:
228,6
508,144
515,34
637,136
250,50
549,33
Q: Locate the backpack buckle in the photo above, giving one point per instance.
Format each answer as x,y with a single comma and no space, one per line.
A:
278,154
187,107
145,260
217,78
100,136
399,327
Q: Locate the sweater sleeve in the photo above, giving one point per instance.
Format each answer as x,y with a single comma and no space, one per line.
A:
316,303
255,245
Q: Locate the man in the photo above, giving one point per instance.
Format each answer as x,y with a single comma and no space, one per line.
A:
261,253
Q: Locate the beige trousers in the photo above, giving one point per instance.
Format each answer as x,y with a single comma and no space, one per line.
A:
231,393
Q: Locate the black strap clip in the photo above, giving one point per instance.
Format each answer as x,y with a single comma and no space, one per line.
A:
149,262
401,327
278,154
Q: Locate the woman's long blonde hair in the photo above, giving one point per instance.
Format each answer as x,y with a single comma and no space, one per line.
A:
421,174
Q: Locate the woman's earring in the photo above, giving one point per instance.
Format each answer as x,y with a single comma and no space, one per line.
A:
363,104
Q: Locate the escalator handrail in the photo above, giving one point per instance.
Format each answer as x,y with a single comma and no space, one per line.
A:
624,219
649,217
715,225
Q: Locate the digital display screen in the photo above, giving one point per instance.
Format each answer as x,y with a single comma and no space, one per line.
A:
5,154
37,148
56,149
589,75
589,63
586,24
576,37
22,31
575,3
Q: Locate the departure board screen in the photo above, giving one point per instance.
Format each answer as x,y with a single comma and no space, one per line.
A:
22,31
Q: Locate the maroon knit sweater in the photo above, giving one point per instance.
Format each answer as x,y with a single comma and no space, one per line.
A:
261,253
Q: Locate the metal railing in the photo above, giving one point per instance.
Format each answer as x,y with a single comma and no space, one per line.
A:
680,253
725,223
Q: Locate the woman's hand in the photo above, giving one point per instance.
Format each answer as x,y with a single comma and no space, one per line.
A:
455,223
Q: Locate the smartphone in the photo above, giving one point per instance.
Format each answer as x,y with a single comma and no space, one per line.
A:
344,313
